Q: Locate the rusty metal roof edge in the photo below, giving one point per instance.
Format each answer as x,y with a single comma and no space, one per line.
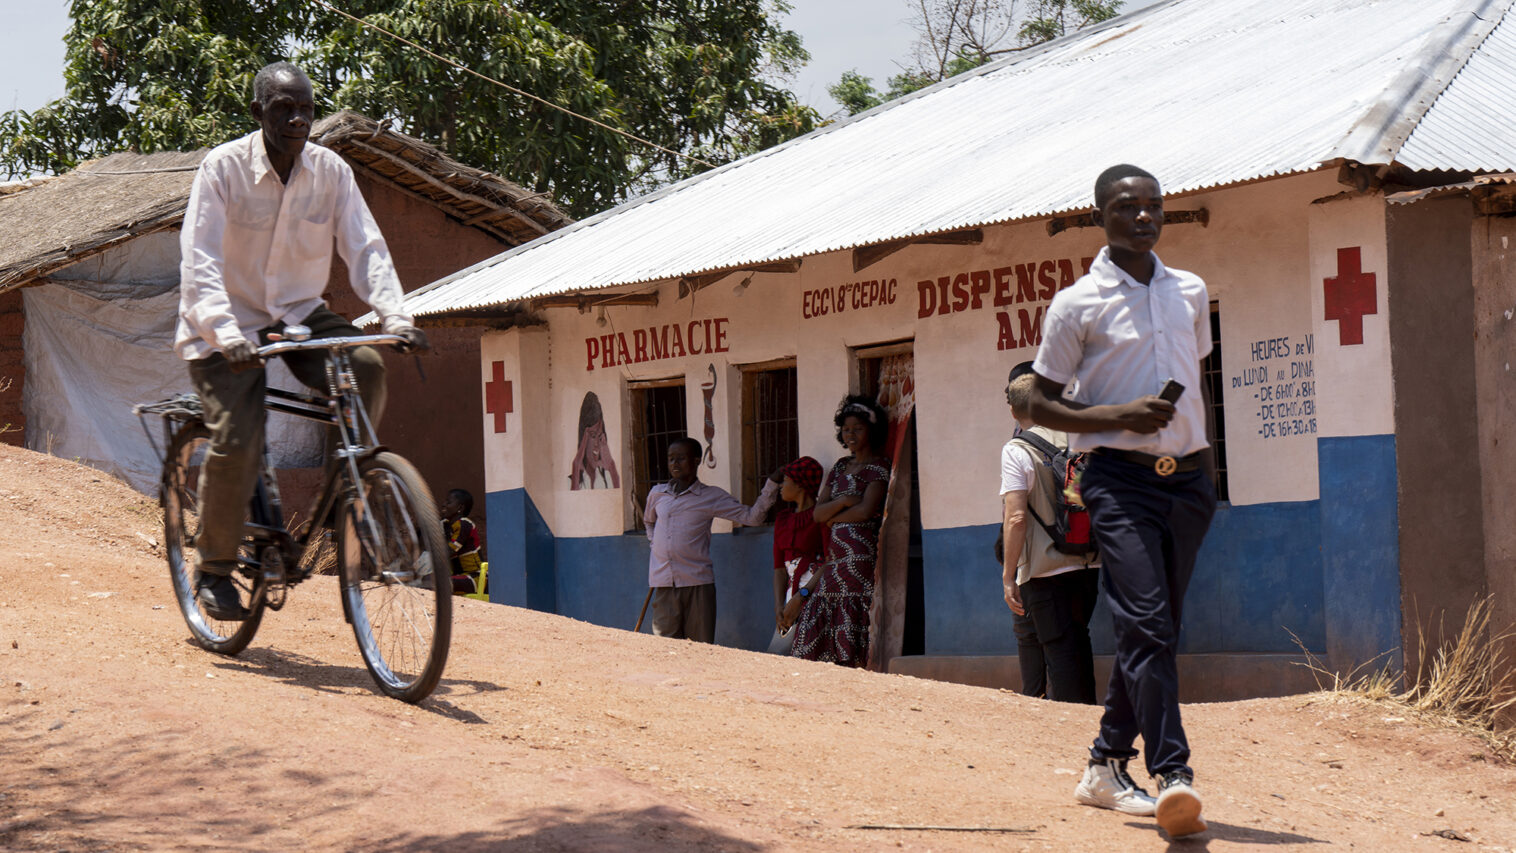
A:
1379,134
1443,190
1413,196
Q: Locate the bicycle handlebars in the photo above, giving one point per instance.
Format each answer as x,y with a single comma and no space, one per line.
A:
281,347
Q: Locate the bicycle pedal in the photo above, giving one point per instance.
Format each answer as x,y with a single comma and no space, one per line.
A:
275,597
273,566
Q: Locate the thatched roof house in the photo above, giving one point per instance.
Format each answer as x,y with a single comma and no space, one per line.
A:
471,196
124,196
87,211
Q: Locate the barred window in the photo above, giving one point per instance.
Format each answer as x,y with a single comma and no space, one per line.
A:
770,423
658,417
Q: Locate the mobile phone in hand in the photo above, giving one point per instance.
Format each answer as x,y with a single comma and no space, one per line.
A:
1171,391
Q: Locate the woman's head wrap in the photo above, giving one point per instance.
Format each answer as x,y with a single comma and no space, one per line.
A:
806,473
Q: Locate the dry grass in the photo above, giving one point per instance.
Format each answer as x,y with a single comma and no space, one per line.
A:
321,555
5,385
1467,683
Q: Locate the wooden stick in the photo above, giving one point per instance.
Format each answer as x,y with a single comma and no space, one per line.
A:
638,629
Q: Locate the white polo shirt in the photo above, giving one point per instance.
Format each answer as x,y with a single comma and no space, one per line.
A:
1122,340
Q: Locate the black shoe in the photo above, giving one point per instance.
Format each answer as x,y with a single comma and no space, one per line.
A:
218,595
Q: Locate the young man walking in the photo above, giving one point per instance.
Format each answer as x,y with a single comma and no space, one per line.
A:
1123,331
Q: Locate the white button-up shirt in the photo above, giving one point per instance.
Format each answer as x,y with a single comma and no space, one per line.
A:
1122,340
256,250
680,529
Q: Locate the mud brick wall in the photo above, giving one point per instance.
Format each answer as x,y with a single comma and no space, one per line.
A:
12,370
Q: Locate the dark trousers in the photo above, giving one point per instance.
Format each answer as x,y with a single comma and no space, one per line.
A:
233,404
1149,529
1034,664
1060,608
685,612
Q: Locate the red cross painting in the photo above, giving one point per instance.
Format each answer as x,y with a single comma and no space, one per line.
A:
1349,295
497,396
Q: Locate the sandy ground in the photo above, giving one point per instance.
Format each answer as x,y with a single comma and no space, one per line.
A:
116,733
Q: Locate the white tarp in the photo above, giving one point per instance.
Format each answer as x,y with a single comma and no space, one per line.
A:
92,351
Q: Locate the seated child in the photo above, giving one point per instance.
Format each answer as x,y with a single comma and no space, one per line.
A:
462,541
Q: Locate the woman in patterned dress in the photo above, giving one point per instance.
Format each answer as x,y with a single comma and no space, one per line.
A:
832,611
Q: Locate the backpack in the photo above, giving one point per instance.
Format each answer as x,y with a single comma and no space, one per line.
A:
1069,526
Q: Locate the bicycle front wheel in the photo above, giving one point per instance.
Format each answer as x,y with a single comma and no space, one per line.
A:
395,585
181,526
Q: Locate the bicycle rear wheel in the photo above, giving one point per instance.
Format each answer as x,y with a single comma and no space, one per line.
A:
395,584
181,526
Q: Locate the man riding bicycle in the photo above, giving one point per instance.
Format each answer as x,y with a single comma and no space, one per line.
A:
257,250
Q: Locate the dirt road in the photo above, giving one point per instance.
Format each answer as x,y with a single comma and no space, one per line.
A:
549,734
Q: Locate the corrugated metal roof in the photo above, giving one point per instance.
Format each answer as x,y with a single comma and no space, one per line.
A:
1200,92
1469,127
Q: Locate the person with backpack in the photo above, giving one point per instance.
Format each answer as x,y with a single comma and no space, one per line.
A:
1052,580
1132,333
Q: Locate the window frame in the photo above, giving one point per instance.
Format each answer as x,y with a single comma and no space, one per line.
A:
1213,383
646,467
755,468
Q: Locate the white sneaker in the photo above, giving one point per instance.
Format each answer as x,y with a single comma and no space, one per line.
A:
1178,805
1107,785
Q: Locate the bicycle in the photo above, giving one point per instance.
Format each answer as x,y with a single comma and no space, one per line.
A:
392,558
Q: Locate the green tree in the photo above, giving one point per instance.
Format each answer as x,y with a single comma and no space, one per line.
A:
699,78
855,92
959,35
1050,19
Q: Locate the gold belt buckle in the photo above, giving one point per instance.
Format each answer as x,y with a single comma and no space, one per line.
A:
1165,466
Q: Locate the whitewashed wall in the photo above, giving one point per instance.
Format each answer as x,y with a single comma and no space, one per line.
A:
1254,256
1263,255
1357,397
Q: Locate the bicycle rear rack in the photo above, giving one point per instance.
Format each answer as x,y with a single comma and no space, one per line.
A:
175,410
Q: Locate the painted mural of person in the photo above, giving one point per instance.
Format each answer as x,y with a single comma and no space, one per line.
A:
593,466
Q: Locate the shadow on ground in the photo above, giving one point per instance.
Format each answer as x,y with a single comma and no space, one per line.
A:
162,794
313,674
1218,831
649,830
163,787
298,670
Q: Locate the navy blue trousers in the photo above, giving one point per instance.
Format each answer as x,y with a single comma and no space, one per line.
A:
1149,529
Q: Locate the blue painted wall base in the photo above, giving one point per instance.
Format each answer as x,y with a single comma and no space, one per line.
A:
603,579
1360,551
1325,572
1258,578
523,561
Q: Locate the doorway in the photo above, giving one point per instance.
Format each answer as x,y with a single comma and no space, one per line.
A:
886,372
